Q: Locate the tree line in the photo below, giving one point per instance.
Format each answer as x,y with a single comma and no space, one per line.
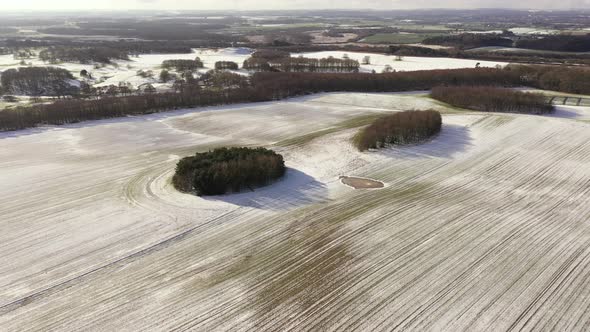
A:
228,170
150,30
75,110
493,99
399,128
132,47
281,85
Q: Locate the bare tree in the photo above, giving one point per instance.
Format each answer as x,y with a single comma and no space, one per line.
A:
165,76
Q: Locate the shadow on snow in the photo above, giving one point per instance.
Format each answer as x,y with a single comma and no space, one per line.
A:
294,190
452,139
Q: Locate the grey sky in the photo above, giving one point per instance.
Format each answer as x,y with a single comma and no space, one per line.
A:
284,4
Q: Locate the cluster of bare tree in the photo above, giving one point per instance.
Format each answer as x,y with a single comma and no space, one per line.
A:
224,80
259,60
183,65
23,54
38,81
301,64
228,170
222,65
330,64
122,89
493,99
256,64
399,128
82,54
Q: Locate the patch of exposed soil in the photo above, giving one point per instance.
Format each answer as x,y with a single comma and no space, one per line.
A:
360,183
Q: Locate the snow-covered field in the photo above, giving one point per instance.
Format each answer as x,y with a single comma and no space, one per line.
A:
409,63
484,227
534,31
493,49
126,71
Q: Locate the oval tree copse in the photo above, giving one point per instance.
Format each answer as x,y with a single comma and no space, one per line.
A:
399,128
228,170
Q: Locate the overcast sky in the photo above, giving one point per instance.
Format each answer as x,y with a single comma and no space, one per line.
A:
285,4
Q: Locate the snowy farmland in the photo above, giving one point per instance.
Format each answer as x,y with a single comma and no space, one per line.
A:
408,63
127,71
483,227
122,71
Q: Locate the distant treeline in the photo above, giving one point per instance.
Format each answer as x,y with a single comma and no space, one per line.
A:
228,170
560,43
183,65
132,47
492,99
37,81
156,30
399,128
82,54
469,40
